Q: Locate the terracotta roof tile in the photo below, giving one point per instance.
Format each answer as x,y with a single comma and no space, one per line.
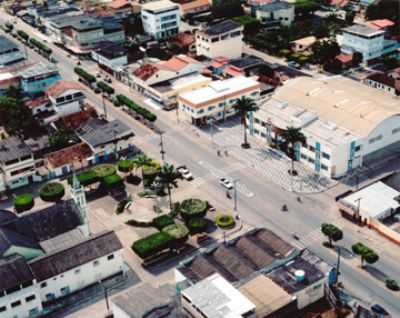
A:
61,86
69,155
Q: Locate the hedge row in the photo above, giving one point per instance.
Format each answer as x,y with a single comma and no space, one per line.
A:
191,208
136,108
105,88
85,75
152,244
41,46
162,221
23,35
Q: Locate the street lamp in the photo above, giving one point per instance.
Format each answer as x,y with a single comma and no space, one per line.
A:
235,198
162,151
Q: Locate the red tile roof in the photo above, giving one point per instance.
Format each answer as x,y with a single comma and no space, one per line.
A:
233,71
146,71
178,62
344,58
339,3
76,120
195,5
183,39
118,4
61,86
33,103
69,155
380,23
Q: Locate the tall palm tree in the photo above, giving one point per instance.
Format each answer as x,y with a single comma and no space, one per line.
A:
168,178
292,137
243,106
142,161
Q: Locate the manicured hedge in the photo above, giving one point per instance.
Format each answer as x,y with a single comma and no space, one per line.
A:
52,192
191,208
149,173
225,221
106,88
136,108
179,233
23,35
162,221
23,202
85,75
86,178
41,46
112,181
152,244
197,225
104,170
125,165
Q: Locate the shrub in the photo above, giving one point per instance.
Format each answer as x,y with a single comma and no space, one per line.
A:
23,35
162,221
104,170
191,208
122,99
138,223
179,233
87,177
125,165
149,173
105,88
392,284
41,46
52,192
197,225
112,180
152,244
85,75
225,221
23,202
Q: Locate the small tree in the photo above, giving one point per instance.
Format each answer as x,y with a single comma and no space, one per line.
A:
332,232
366,253
292,137
168,178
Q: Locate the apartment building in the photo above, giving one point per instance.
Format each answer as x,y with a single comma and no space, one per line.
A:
160,19
37,78
215,101
346,123
111,57
10,53
224,39
275,14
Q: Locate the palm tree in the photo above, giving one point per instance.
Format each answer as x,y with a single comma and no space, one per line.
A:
243,106
168,177
142,161
292,137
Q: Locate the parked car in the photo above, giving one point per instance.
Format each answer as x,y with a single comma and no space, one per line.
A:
226,183
185,173
379,311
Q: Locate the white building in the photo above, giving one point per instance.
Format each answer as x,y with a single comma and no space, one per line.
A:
111,57
363,39
215,297
160,19
275,14
17,165
224,39
10,53
346,123
216,100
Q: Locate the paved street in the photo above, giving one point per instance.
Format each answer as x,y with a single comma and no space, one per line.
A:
259,199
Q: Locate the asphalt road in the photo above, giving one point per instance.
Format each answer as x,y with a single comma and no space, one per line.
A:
259,201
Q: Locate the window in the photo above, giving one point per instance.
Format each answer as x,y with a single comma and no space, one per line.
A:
30,298
96,263
311,148
43,285
396,130
110,257
303,156
3,309
77,271
323,167
311,160
254,94
326,156
15,304
375,139
358,148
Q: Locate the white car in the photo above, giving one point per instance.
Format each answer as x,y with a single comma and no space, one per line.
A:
185,173
226,183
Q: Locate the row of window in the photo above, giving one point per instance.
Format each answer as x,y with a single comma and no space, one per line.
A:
220,38
68,98
18,303
375,139
312,161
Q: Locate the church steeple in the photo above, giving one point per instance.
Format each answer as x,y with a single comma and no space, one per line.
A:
79,197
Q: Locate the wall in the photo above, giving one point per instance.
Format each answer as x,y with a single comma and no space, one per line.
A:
310,294
80,277
285,16
152,23
21,178
118,312
113,64
385,231
23,310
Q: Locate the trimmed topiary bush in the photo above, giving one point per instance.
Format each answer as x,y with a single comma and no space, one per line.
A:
125,166
152,244
87,177
197,225
104,170
52,192
179,233
149,173
112,181
162,221
23,202
191,208
225,221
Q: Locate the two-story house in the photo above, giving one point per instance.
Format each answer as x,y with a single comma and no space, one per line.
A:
37,78
160,19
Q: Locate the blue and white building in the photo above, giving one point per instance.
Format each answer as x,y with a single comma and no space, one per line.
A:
160,19
347,124
38,78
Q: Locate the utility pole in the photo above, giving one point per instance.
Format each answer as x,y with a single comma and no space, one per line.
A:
358,208
162,151
235,195
338,263
106,298
104,106
177,113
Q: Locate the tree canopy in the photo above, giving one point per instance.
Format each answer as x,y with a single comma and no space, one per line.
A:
325,51
384,9
227,8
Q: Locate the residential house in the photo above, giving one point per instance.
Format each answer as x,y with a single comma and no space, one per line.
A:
380,24
275,14
38,77
7,80
346,123
17,165
186,42
223,39
160,19
120,7
40,106
303,44
190,8
106,139
111,57
10,53
388,82
149,76
215,101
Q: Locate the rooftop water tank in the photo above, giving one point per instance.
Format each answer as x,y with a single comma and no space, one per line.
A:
300,275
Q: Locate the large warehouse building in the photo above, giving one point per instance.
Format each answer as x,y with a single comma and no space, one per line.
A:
346,123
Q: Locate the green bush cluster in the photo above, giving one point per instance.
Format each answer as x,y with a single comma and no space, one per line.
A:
152,244
179,232
197,225
112,181
104,170
85,75
23,35
136,108
125,165
162,221
23,202
52,192
191,208
105,88
41,46
225,221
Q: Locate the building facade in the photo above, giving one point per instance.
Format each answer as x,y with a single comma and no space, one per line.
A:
275,14
161,19
224,39
38,78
